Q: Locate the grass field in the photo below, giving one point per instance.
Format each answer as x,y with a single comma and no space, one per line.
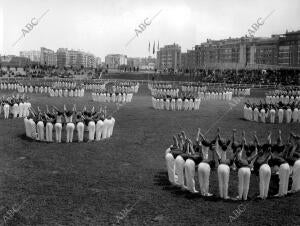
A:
94,183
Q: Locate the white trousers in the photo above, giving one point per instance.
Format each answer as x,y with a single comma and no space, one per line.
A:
223,178
91,129
58,129
284,173
189,170
70,129
203,174
49,129
40,131
244,174
170,162
99,129
6,111
179,170
296,176
264,180
80,131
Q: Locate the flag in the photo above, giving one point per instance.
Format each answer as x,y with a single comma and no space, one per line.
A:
158,46
149,47
154,47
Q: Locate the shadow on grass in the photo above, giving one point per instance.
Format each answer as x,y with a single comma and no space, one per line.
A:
24,137
161,179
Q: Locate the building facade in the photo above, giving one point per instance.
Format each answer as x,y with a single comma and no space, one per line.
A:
75,59
48,57
114,61
169,57
278,51
63,59
33,55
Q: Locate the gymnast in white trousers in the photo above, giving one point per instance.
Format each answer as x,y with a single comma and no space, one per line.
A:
223,168
91,129
40,130
105,128
179,171
262,167
204,167
99,129
58,126
284,173
170,162
70,125
70,129
49,130
170,155
6,111
80,127
192,159
293,158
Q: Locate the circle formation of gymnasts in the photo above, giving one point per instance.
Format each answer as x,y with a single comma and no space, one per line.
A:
273,113
184,156
40,125
15,106
189,97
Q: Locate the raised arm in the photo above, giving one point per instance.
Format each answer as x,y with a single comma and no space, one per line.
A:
269,139
256,141
198,135
233,136
279,139
243,138
175,142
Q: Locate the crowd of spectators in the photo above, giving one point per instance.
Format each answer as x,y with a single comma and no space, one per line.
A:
257,77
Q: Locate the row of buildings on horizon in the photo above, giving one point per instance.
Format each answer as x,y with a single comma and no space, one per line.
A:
277,51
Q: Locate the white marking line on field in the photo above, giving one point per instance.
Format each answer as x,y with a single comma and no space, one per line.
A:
218,120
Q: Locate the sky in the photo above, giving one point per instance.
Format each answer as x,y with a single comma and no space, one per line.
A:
105,27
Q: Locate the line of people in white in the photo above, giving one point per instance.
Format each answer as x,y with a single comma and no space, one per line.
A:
94,86
43,126
169,92
173,104
285,99
112,97
272,113
15,106
184,159
234,91
64,92
8,86
159,85
122,87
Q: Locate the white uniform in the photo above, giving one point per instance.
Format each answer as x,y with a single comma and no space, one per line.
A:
91,129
